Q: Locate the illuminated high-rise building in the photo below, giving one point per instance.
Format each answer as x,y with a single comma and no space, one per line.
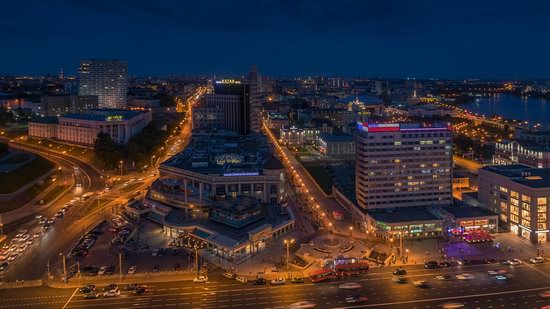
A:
106,79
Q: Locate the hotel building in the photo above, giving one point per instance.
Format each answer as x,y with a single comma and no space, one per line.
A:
403,165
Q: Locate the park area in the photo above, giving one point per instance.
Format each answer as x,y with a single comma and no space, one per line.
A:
24,174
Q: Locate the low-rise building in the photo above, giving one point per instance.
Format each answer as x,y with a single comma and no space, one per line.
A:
519,194
522,151
333,145
83,128
298,136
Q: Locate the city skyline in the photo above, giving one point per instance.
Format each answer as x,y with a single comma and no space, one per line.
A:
356,38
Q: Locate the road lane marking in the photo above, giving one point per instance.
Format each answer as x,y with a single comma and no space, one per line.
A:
443,298
68,301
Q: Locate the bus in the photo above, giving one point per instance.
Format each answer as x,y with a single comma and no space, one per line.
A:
322,275
351,269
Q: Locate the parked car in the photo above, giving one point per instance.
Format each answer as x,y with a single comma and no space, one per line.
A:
91,295
240,279
156,268
297,280
201,279
431,265
88,288
132,270
139,290
278,281
260,281
536,260
102,270
514,262
112,293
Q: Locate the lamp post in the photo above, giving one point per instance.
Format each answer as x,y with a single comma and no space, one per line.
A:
121,162
64,267
287,243
351,233
152,159
330,231
400,244
197,259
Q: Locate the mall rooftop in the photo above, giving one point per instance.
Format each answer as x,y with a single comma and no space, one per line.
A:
105,115
523,174
227,154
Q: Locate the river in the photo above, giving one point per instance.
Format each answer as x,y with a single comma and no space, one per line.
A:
533,110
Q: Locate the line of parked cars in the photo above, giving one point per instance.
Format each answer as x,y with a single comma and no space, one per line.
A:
91,291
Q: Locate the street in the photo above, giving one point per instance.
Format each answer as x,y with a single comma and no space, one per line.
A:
521,290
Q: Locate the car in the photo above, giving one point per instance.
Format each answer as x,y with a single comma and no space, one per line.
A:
131,287
24,238
93,271
514,262
399,279
278,281
13,256
112,293
229,275
111,286
465,277
444,277
452,305
110,270
22,248
132,270
36,235
91,295
536,260
431,265
240,279
297,280
139,290
102,270
59,214
175,252
501,277
464,262
357,299
162,251
421,283
491,261
400,271
155,252
545,294
88,288
260,281
38,217
4,266
349,286
305,304
42,221
29,242
445,264
51,221
21,233
201,279
156,268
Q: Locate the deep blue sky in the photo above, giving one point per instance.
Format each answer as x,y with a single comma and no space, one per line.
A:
386,38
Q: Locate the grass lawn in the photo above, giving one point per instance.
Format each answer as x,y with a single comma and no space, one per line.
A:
14,180
54,193
17,158
321,176
21,199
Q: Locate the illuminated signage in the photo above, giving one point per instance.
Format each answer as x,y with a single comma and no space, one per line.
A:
228,81
240,174
114,118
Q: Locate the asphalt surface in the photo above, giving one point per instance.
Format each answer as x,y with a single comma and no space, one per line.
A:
520,291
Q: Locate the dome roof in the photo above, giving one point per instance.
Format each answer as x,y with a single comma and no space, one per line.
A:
273,164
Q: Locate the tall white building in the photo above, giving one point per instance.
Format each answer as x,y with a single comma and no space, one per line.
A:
106,79
403,165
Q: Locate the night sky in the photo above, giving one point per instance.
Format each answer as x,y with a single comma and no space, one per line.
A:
376,38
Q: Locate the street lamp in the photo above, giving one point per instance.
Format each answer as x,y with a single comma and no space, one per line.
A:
121,162
287,243
351,232
330,231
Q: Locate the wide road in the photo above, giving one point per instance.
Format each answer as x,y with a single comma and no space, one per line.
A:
467,163
520,291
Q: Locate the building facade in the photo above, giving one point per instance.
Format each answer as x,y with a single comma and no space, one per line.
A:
336,145
61,105
527,152
519,194
298,136
403,165
83,128
106,79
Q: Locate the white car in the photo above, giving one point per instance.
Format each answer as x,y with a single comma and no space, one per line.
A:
465,277
278,281
240,279
112,293
102,270
36,235
514,262
22,248
132,270
305,304
24,238
536,260
13,256
201,279
349,286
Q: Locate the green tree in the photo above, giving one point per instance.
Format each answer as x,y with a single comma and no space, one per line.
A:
106,151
